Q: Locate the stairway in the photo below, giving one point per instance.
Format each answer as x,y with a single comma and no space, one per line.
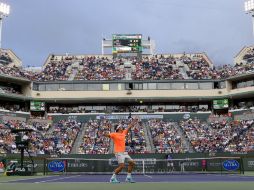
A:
149,140
127,74
74,69
183,72
111,144
78,141
185,142
111,147
73,74
182,68
50,130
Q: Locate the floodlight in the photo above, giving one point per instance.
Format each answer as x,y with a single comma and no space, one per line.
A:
249,9
4,12
4,9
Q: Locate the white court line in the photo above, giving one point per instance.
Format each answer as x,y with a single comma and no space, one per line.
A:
230,175
148,176
57,179
36,177
152,182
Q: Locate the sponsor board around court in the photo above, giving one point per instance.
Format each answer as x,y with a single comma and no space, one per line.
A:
117,117
77,165
56,166
186,116
231,165
250,163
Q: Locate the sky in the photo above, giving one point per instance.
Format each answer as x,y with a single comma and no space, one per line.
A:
37,28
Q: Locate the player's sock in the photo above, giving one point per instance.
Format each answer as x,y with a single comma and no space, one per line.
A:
113,179
129,178
113,176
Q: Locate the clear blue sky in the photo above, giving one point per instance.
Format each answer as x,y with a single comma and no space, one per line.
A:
37,28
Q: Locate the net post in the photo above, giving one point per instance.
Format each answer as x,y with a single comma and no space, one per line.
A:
242,166
44,166
66,166
221,166
143,166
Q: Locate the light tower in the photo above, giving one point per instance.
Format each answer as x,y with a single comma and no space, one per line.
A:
4,12
249,9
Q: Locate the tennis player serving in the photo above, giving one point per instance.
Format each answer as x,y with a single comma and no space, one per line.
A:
119,149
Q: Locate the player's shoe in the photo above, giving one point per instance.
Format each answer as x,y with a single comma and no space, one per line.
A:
114,180
129,180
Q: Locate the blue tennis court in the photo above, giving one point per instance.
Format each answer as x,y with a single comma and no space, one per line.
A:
138,178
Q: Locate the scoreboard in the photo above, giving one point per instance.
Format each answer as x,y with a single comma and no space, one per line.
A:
220,104
126,43
37,106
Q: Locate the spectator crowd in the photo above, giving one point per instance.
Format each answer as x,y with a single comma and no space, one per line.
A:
5,58
218,136
93,141
165,136
158,67
9,90
59,140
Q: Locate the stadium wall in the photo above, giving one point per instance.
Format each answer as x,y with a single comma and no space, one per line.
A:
155,94
39,160
172,116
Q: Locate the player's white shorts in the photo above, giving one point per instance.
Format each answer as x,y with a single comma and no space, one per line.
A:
122,156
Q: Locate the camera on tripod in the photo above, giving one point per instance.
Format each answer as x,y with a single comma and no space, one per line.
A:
22,142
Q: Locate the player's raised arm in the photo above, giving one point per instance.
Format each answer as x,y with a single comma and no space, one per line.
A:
106,134
132,124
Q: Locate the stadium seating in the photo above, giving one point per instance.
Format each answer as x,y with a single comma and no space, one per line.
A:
59,140
93,141
165,137
5,59
9,106
163,67
156,69
204,137
56,70
62,138
223,136
220,136
13,71
4,89
93,68
136,142
248,57
7,139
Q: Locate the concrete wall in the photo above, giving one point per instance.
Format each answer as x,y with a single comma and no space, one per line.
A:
155,94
